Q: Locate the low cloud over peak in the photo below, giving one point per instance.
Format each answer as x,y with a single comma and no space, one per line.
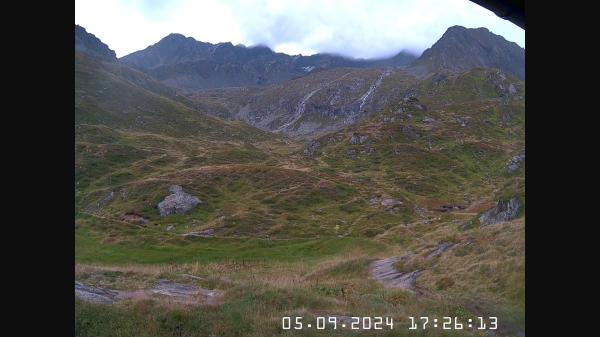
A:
353,28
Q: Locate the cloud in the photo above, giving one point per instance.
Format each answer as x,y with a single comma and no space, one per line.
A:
356,28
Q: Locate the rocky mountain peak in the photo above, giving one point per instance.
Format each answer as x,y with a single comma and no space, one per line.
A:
461,49
89,44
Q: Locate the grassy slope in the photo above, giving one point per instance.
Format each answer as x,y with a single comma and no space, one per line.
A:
255,185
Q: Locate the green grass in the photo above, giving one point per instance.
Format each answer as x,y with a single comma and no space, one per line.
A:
90,249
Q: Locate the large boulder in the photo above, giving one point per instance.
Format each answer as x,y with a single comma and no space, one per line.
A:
504,211
178,202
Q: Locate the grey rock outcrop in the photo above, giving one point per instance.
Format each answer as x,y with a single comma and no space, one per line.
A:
312,148
207,233
101,203
515,162
358,139
384,272
412,102
94,294
388,203
504,211
170,288
178,202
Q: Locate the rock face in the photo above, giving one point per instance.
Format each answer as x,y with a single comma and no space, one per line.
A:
461,49
515,162
504,211
89,44
190,65
178,202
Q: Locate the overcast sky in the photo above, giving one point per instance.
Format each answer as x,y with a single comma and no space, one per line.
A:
355,28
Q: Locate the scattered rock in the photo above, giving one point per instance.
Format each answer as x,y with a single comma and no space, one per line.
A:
185,291
312,148
390,203
428,120
170,228
515,162
134,218
441,248
449,208
203,234
374,200
413,102
464,226
192,276
462,121
410,99
409,132
95,207
175,189
170,288
504,211
352,153
358,139
177,203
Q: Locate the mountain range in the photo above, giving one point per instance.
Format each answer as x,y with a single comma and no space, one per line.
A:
304,95
188,64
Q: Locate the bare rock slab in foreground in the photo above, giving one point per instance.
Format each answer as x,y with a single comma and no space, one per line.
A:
170,288
94,294
384,272
182,293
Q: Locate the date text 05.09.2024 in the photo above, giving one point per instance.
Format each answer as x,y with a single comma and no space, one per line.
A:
381,323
